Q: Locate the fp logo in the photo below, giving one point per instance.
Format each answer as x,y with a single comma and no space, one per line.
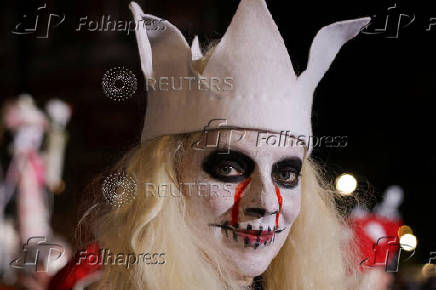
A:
386,252
37,254
30,25
389,23
212,137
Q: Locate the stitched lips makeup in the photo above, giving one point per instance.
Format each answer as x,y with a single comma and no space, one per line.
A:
251,237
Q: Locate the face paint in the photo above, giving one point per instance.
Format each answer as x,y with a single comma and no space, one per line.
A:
249,225
238,194
280,201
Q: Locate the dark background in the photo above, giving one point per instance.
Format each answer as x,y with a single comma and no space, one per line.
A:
379,92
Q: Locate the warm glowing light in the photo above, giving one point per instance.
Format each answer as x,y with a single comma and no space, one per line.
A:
429,270
404,230
346,184
408,242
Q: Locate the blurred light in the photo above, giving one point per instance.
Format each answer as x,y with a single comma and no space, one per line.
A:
408,242
404,230
346,184
429,270
58,189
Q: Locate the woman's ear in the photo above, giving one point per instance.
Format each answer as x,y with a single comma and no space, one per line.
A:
326,45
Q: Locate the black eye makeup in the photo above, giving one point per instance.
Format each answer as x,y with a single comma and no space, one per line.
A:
285,173
232,166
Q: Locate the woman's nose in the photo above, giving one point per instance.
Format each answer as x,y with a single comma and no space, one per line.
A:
260,198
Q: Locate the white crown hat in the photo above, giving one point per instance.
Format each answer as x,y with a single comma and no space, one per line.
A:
262,92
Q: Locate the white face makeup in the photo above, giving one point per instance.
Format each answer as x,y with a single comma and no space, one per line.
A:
245,199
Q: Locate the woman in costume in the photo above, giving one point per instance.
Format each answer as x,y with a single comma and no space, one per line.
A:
221,203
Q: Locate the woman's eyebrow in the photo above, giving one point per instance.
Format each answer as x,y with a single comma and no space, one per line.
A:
292,161
219,155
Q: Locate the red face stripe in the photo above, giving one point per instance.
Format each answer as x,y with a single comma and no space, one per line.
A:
280,200
238,194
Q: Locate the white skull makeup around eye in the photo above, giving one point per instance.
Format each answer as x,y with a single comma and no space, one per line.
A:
253,198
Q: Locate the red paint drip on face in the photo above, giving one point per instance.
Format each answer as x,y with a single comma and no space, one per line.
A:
238,194
280,200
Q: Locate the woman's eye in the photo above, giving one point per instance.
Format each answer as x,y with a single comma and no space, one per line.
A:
286,177
228,170
233,166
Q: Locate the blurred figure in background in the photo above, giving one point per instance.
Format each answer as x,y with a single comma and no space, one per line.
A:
29,175
377,234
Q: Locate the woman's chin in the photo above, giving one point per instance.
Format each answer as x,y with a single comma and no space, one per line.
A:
249,262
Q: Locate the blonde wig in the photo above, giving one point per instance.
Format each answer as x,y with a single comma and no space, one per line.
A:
318,253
